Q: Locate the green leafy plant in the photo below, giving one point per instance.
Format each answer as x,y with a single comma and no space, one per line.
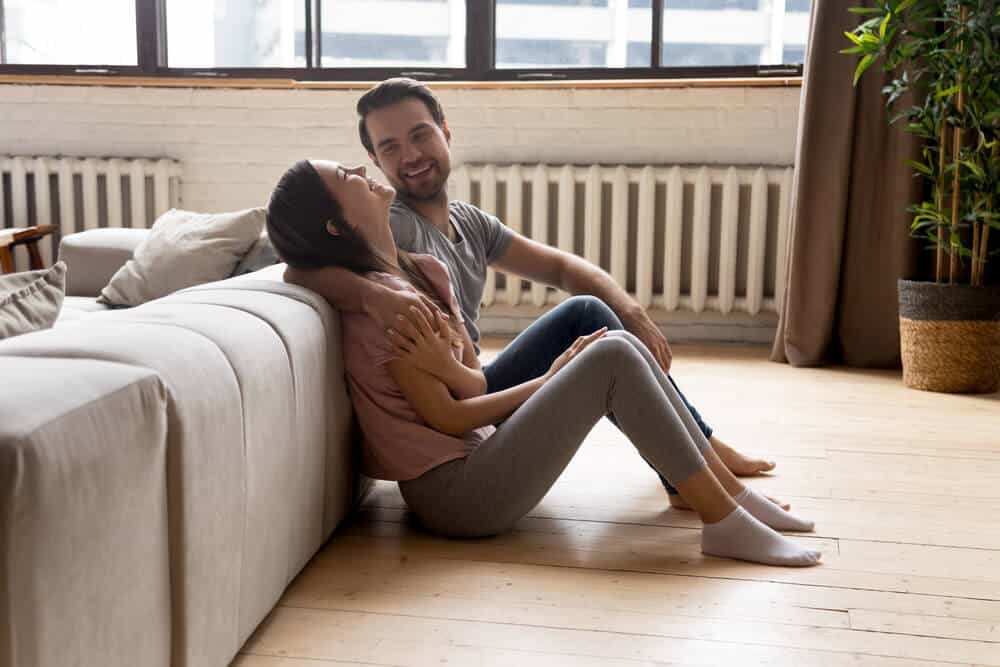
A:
944,56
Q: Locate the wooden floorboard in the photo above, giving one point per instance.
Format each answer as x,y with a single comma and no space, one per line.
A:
904,487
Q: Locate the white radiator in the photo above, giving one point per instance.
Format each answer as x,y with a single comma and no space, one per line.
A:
694,239
83,193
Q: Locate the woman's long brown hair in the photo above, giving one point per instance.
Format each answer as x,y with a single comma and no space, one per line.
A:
297,217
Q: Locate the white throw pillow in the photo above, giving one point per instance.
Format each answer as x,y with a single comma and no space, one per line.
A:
31,300
184,249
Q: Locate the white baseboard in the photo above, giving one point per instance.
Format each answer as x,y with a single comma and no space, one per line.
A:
682,326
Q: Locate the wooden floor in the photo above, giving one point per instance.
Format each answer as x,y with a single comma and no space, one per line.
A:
904,487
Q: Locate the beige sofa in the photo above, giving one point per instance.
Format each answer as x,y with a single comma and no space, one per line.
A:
165,470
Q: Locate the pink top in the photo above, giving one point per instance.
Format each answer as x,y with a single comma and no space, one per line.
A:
396,443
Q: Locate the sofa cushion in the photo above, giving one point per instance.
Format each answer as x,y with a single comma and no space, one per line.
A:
83,513
278,464
343,485
259,432
181,250
205,466
31,300
84,304
79,308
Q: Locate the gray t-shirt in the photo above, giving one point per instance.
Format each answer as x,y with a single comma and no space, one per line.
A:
481,240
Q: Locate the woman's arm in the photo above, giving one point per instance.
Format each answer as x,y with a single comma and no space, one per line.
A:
428,347
434,402
465,378
443,412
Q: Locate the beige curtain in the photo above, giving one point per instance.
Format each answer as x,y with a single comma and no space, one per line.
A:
849,240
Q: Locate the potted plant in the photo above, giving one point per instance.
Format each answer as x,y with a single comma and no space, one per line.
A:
944,60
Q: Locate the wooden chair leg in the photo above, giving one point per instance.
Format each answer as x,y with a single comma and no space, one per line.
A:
6,260
34,256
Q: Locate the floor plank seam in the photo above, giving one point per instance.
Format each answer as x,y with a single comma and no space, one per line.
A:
793,534
559,627
329,661
721,578
648,635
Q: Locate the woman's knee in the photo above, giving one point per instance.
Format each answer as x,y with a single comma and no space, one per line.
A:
629,338
616,348
626,336
592,313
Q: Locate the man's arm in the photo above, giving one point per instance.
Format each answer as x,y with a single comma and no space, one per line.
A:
347,291
544,264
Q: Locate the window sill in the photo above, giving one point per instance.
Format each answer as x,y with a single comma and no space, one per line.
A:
190,82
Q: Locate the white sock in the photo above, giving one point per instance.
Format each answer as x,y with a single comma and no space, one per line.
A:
743,537
767,512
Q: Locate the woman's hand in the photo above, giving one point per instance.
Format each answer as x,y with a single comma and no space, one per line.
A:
578,346
426,344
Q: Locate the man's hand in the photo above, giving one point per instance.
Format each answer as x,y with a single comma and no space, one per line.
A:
384,304
637,322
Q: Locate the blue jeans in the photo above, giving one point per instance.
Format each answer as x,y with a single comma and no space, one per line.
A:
532,353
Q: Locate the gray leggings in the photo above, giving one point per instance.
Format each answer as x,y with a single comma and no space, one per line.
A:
488,491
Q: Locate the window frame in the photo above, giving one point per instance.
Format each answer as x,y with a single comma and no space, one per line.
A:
480,50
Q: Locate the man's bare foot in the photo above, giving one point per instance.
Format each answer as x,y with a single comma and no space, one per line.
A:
678,503
740,464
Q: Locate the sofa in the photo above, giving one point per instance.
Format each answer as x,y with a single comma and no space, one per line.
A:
165,470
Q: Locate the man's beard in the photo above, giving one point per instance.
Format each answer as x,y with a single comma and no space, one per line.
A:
428,191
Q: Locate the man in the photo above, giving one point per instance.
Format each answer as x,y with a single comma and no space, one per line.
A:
403,128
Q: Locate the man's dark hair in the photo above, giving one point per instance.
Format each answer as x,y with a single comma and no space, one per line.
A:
389,92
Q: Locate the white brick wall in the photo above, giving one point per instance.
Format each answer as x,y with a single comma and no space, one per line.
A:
234,144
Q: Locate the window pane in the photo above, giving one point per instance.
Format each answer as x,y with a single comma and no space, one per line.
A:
573,33
734,32
236,33
49,32
393,33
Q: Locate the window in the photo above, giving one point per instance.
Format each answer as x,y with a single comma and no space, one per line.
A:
430,39
390,33
48,32
235,33
711,33
572,33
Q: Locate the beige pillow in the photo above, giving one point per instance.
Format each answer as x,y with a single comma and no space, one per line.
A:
184,249
31,300
261,255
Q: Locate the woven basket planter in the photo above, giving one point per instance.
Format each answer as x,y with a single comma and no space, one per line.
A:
950,337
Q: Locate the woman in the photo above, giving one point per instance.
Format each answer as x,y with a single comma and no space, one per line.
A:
429,425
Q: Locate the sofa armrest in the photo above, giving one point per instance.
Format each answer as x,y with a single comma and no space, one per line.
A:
92,257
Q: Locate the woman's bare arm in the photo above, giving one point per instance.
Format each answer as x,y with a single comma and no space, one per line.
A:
434,402
428,347
443,412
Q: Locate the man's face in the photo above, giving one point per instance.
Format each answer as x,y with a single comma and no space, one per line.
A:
410,148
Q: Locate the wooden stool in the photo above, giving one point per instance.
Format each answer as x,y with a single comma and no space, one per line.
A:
27,236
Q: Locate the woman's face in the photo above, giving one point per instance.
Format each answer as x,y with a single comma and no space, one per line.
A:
364,202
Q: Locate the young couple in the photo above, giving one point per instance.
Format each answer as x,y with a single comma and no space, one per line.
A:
474,449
